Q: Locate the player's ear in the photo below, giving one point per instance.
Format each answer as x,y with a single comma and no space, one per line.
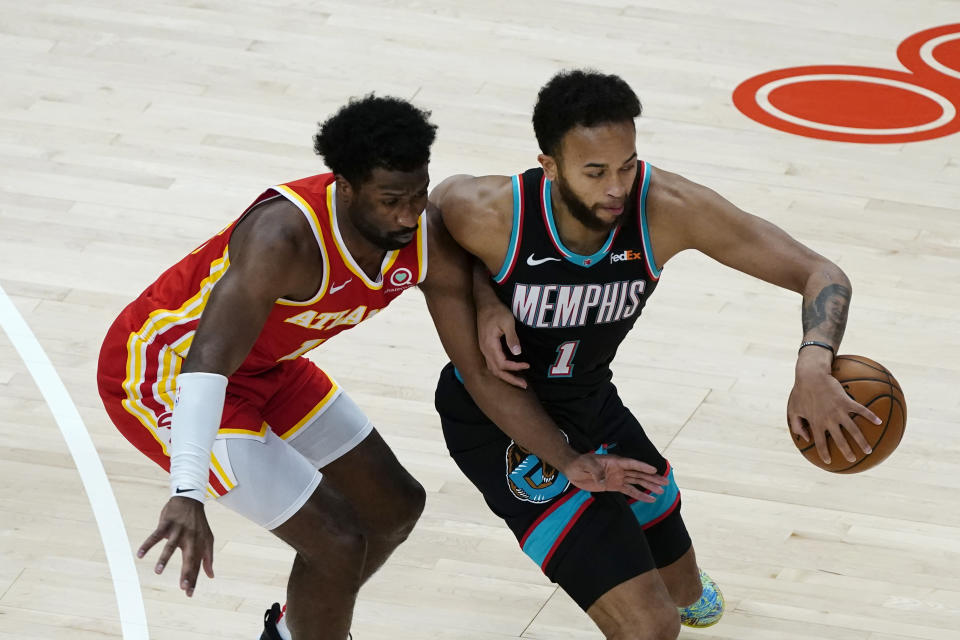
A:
549,164
345,189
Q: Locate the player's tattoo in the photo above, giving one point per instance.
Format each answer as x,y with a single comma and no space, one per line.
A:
828,312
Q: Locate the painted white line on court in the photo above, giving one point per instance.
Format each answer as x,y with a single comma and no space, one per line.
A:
116,544
926,54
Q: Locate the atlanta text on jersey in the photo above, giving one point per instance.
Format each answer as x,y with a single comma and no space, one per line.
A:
313,320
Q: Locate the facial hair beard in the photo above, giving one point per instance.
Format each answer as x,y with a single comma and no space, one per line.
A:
375,236
579,209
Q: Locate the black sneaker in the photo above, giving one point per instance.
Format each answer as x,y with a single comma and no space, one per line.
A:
270,618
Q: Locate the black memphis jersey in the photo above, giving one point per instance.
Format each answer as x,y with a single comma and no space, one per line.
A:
573,311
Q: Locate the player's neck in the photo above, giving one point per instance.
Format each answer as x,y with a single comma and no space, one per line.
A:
576,236
366,254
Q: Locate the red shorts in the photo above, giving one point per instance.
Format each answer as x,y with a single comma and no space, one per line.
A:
137,382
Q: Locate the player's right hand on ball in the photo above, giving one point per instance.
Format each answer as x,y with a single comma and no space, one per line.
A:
183,523
605,472
819,407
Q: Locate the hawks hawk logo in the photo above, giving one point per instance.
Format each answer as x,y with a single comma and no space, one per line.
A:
531,479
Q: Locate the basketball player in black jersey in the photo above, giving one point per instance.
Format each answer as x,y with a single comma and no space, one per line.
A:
575,248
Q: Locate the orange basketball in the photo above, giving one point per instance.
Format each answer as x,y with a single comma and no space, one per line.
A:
873,386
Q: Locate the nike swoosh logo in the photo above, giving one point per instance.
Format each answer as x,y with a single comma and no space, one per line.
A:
335,288
179,490
533,262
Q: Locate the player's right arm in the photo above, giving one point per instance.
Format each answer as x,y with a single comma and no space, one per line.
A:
481,230
684,215
273,255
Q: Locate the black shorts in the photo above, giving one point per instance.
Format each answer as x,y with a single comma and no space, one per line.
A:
586,542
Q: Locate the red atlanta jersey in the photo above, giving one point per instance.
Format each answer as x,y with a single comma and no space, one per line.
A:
169,310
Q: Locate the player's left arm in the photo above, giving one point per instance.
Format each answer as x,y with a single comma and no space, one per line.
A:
685,215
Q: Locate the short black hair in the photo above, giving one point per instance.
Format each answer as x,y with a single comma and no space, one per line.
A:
580,97
374,131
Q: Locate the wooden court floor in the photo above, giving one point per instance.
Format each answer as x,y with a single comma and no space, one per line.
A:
130,132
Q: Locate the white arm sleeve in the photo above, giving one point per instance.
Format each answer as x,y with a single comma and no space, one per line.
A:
193,428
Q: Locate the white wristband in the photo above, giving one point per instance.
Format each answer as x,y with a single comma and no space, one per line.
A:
193,428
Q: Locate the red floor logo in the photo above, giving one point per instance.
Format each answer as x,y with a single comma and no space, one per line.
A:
865,104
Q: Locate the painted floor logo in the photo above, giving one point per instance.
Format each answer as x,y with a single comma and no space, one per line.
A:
865,104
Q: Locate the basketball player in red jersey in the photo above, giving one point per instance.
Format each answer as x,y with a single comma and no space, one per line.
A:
576,247
204,371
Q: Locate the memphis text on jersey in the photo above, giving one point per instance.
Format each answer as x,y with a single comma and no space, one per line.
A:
569,305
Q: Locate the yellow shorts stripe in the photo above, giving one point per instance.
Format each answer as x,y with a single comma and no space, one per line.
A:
222,475
246,432
136,372
313,412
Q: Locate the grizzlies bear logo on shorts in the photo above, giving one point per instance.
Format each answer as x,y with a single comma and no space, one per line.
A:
531,479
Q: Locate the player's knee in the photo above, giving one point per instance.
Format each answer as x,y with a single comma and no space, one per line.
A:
338,561
342,549
410,500
327,533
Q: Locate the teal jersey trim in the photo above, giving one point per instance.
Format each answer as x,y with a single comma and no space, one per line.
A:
511,258
644,229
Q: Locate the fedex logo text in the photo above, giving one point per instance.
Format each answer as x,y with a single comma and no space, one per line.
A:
626,256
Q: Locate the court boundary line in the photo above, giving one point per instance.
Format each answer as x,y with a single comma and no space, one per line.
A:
113,533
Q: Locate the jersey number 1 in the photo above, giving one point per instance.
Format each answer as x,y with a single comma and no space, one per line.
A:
563,366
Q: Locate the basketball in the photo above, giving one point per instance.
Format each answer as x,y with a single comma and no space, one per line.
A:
872,385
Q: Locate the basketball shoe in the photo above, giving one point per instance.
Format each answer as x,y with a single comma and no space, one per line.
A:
706,611
271,618
273,628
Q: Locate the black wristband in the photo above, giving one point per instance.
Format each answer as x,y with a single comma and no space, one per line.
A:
815,343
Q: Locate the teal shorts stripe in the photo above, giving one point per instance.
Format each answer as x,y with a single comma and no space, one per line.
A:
650,513
544,537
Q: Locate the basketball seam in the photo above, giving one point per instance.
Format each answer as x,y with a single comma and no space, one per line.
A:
889,382
882,369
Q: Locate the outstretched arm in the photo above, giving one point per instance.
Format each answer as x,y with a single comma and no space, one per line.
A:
685,215
269,260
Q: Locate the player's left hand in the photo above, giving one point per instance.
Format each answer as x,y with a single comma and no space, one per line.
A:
818,405
606,472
